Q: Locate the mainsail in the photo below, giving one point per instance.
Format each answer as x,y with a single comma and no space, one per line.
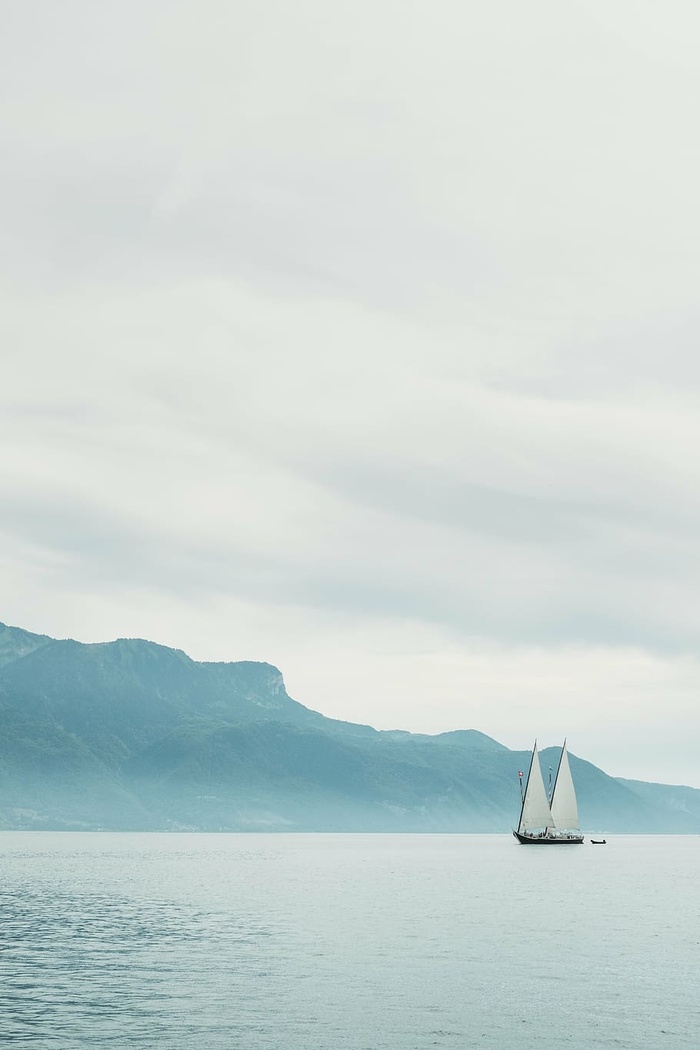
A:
535,812
564,806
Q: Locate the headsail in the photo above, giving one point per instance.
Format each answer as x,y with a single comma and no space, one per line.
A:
564,805
535,812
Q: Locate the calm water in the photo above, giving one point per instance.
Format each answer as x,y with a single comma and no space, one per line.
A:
347,942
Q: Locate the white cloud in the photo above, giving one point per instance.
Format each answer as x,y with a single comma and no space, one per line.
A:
330,330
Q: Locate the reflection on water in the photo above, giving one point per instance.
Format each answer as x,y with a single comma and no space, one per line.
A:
345,942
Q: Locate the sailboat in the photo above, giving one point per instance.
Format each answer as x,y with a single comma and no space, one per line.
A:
549,821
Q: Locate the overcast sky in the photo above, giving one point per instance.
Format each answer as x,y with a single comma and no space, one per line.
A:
362,338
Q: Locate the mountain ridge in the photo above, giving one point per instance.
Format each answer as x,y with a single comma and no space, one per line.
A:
131,734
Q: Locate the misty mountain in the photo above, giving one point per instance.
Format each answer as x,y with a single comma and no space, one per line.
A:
134,735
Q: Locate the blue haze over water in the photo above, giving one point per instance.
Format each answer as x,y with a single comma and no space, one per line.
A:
347,942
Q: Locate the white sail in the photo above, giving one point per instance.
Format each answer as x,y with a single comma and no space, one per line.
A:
535,812
564,806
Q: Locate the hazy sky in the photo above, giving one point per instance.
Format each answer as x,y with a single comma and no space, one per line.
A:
362,338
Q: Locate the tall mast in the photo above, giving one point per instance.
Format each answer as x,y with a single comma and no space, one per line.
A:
522,806
561,755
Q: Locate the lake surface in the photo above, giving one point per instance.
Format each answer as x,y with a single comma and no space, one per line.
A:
347,942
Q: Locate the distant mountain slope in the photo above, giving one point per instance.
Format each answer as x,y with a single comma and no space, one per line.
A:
131,734
133,691
678,799
15,643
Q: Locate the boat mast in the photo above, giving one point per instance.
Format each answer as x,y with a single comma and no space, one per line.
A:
522,806
561,755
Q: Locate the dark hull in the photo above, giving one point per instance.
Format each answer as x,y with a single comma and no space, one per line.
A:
527,840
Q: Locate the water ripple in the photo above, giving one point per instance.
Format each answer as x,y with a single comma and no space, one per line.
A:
345,943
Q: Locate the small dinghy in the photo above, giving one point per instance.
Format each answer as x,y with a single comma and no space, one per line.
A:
597,842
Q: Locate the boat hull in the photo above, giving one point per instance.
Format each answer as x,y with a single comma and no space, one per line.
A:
532,840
